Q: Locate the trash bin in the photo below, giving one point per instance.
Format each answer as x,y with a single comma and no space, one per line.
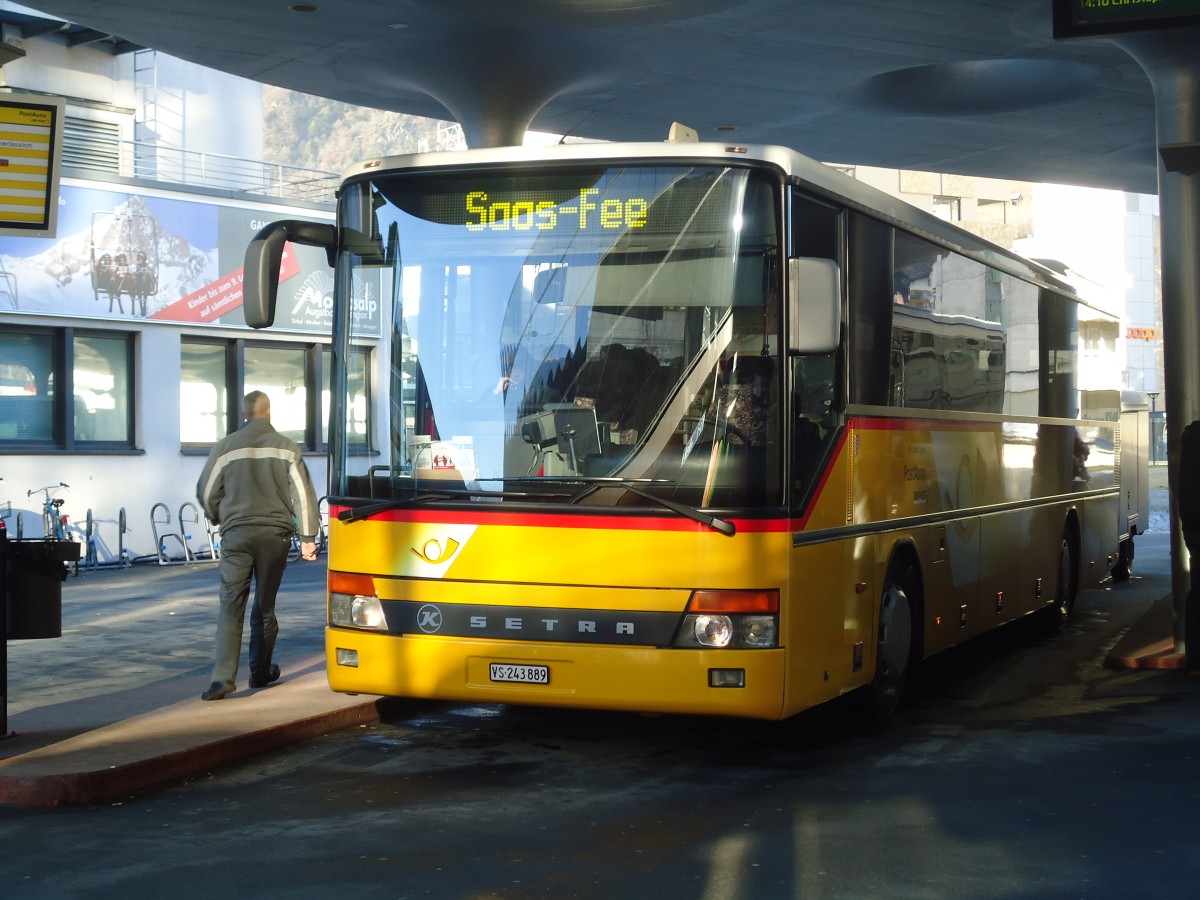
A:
34,575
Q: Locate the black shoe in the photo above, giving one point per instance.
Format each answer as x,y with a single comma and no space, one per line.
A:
256,682
218,689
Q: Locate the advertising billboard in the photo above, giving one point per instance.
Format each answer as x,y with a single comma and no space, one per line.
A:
132,254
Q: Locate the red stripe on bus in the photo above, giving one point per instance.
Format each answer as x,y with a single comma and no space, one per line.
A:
839,447
559,520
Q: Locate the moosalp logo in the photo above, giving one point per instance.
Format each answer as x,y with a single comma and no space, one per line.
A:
315,296
429,619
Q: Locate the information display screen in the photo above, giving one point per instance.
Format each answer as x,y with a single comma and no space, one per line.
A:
31,131
1105,18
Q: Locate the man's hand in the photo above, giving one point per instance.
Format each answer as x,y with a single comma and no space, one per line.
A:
308,550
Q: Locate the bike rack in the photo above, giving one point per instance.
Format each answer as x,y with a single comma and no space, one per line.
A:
214,540
89,543
91,553
160,537
122,553
189,513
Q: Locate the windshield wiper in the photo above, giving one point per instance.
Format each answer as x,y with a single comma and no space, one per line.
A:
365,512
596,483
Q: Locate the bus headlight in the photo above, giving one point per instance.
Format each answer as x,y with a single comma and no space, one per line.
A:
743,620
712,631
759,631
356,611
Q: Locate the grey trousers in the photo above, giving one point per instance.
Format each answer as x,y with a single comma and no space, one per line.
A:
249,552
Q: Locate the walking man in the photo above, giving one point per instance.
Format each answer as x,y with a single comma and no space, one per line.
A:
256,487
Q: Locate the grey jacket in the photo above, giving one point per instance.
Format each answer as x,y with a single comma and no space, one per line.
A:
256,476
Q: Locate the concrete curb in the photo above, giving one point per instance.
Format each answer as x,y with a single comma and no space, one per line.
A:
177,742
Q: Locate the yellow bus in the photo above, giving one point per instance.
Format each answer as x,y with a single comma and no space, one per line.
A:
693,428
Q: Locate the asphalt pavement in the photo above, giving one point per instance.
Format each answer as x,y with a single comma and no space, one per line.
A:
112,708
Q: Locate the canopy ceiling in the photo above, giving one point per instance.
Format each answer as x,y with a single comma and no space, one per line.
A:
977,88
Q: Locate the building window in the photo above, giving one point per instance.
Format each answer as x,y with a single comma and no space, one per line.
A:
27,388
947,208
203,396
217,374
357,398
102,389
41,368
281,372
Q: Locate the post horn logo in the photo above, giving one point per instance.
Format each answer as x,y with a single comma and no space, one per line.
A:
434,553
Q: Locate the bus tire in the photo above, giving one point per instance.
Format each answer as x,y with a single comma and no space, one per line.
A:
1067,584
896,639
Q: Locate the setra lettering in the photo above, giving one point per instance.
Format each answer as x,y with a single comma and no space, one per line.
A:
551,626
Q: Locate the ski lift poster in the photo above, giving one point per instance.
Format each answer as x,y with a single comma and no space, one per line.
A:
31,130
127,254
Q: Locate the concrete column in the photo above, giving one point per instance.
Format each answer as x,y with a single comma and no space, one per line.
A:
1171,61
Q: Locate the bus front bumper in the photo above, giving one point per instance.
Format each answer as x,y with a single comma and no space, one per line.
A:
638,679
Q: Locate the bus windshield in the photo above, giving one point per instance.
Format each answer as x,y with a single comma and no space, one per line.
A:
602,335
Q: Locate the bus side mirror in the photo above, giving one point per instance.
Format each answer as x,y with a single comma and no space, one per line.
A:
264,255
815,303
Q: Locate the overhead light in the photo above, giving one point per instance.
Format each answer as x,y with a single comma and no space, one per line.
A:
399,26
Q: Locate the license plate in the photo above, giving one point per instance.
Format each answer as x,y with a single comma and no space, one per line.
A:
519,674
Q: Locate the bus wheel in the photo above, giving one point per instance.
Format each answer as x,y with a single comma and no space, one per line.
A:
894,651
1067,587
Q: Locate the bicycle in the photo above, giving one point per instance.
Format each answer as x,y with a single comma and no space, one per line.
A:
55,525
54,521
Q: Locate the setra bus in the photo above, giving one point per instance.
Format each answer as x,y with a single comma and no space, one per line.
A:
693,428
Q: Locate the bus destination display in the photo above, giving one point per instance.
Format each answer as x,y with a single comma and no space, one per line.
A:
530,211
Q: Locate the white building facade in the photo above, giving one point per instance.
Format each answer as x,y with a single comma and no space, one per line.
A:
123,352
